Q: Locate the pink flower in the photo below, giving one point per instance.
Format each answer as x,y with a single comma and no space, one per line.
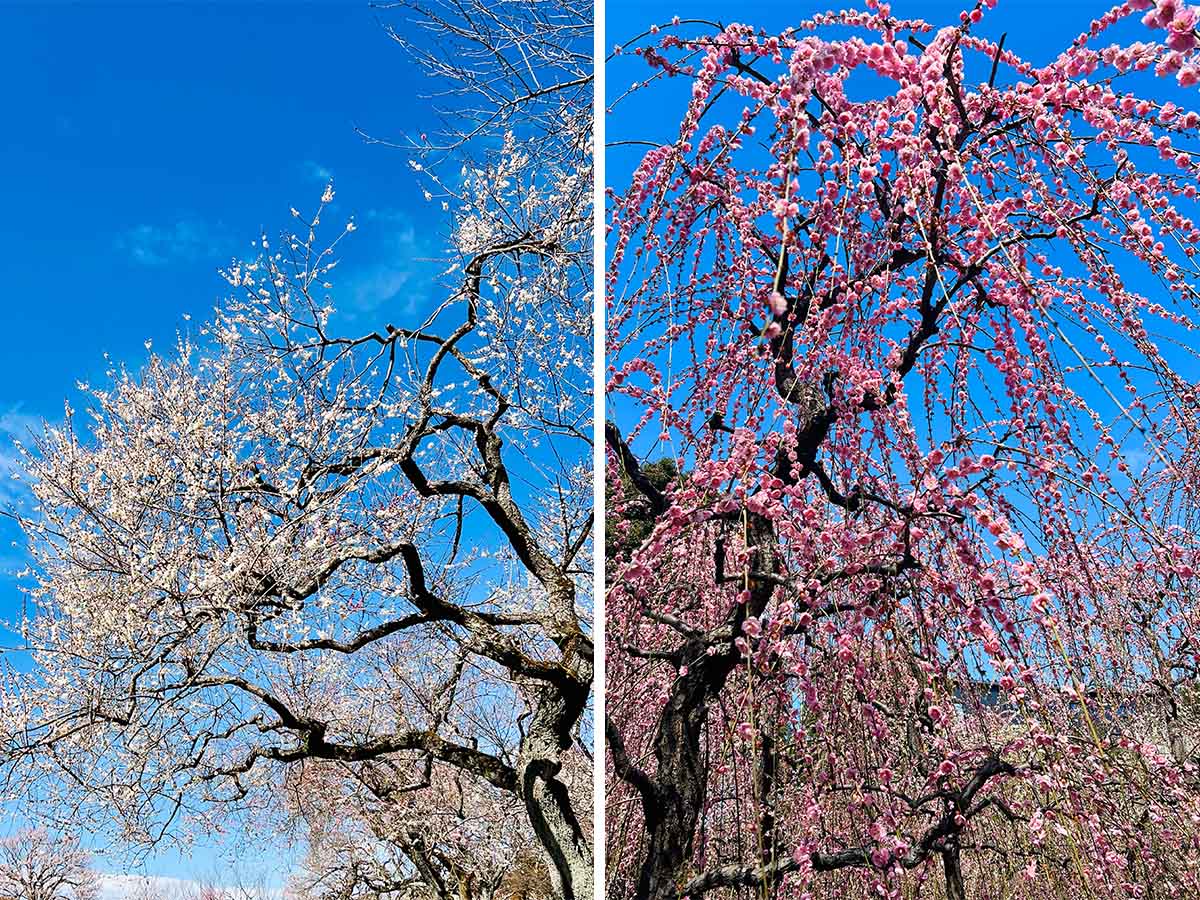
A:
1182,41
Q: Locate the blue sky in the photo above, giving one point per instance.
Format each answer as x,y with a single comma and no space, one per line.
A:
146,144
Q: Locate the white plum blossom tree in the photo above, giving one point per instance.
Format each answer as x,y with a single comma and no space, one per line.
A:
282,545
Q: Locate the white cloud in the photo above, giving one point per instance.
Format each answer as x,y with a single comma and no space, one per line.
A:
185,240
379,286
134,887
398,285
127,887
14,426
317,172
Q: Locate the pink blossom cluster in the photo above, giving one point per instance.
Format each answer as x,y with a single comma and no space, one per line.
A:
1179,20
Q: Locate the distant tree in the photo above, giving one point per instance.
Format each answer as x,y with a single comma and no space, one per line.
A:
144,889
148,889
34,865
626,532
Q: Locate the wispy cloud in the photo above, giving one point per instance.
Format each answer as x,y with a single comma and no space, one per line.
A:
380,286
15,493
127,887
316,171
65,126
15,426
400,282
185,240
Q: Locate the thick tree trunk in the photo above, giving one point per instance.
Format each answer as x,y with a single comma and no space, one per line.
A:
673,797
547,801
680,783
553,817
672,805
955,890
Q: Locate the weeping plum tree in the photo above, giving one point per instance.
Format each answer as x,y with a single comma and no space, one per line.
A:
914,319
287,544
